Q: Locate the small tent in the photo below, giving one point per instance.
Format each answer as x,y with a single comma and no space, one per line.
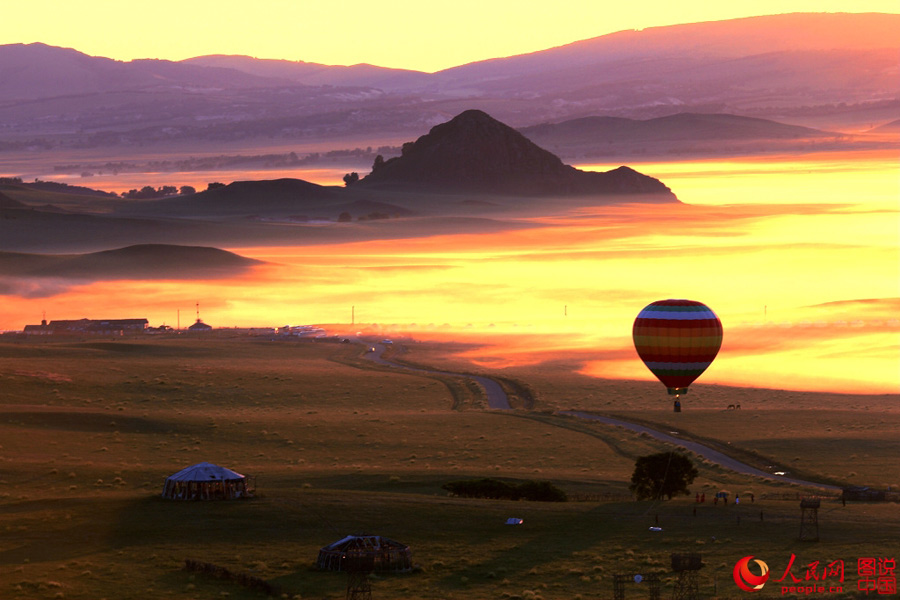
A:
379,552
206,481
200,326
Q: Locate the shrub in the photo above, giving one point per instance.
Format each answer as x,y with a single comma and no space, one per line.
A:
482,488
541,491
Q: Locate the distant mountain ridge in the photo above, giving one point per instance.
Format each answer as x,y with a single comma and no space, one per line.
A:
681,126
749,36
815,66
307,73
35,71
472,153
472,173
674,135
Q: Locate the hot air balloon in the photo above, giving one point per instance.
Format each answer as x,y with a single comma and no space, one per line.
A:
677,340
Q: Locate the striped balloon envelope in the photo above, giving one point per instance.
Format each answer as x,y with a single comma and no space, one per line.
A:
677,340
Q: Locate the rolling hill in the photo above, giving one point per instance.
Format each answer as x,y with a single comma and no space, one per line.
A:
7,202
468,174
39,71
682,133
815,69
146,261
308,73
681,126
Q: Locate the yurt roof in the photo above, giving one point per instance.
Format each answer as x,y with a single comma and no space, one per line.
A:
363,542
205,472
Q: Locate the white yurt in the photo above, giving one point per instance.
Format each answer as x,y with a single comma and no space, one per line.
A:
206,481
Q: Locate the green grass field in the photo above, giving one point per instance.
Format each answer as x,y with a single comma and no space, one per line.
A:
90,429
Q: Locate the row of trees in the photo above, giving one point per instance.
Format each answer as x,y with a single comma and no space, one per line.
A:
149,192
145,193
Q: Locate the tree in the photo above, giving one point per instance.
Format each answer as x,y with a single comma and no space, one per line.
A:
351,178
187,190
663,474
379,162
213,185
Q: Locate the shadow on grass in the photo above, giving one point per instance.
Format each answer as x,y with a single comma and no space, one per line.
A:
547,545
68,420
64,529
195,525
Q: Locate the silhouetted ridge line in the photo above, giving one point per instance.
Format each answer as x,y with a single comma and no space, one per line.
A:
7,202
138,261
475,153
686,127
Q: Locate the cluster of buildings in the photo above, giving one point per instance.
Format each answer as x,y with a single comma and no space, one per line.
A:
88,327
104,327
125,327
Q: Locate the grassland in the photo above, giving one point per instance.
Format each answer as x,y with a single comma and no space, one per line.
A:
90,429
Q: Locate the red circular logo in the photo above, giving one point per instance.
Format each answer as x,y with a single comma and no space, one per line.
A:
746,580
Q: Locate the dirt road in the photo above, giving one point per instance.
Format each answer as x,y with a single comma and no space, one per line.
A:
497,399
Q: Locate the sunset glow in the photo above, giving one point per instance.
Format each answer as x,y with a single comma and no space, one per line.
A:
408,35
795,280
394,267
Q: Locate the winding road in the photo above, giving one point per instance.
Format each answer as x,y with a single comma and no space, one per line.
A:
699,449
497,399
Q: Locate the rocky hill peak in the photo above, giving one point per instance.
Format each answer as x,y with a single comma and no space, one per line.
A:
475,153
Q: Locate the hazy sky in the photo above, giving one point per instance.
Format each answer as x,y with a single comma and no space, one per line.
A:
410,34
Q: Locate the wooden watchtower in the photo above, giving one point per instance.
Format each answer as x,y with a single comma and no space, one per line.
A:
809,519
686,567
619,581
358,568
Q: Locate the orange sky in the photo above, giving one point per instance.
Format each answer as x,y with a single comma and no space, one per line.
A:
790,268
401,34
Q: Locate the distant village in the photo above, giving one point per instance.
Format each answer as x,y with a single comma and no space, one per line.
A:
132,327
